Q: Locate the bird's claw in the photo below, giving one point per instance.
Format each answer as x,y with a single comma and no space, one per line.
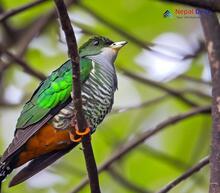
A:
73,139
86,132
73,135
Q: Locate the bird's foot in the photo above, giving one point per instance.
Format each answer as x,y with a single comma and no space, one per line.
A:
86,132
77,135
74,139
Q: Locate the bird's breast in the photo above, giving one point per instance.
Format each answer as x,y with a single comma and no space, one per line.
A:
97,98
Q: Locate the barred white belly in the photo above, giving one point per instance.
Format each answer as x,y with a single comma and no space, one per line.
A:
97,97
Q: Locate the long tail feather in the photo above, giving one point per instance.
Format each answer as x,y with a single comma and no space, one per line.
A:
37,165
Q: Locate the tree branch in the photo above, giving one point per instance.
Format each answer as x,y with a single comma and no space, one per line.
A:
193,79
33,30
144,104
166,158
197,93
23,64
159,86
211,5
185,175
211,28
121,152
20,9
77,99
8,32
125,182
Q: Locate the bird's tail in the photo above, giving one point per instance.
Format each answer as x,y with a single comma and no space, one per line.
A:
5,169
1,178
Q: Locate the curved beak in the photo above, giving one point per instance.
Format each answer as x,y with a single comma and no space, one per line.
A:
118,45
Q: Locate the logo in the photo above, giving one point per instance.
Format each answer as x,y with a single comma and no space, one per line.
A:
186,13
167,14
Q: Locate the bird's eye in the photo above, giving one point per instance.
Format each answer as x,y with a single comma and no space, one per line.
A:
96,43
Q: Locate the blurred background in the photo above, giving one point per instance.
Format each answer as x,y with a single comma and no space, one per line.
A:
162,71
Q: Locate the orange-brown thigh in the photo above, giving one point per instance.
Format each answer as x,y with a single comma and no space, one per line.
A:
46,140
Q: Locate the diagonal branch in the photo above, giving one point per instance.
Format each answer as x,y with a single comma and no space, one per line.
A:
185,175
20,9
136,141
77,99
166,158
144,104
159,86
33,30
194,79
23,64
125,182
211,28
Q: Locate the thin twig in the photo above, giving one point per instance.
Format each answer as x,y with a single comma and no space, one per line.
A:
211,5
27,36
211,28
125,182
8,33
37,27
157,85
77,99
33,30
20,9
159,99
121,152
172,161
141,105
193,79
23,64
185,175
197,93
197,51
166,158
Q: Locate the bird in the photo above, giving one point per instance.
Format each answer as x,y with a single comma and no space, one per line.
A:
46,129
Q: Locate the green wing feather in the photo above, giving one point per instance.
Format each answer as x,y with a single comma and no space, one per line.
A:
53,91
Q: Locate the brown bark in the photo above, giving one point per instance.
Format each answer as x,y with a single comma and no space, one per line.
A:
211,30
77,99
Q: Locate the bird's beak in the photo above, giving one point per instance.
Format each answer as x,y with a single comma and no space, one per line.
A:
116,46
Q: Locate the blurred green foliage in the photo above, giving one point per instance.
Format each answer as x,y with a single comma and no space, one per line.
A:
187,141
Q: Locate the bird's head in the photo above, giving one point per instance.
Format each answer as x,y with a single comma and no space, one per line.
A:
101,45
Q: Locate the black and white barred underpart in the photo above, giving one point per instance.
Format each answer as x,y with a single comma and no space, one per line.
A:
97,96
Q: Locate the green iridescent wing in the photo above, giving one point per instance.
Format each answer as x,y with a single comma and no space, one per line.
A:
51,96
52,93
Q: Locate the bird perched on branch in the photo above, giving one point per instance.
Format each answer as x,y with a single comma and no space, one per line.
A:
46,129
